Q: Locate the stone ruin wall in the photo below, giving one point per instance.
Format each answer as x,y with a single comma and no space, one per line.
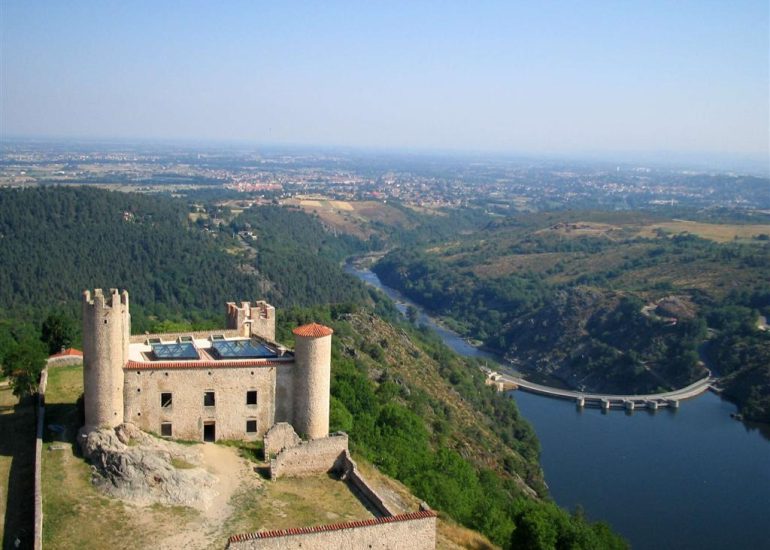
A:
316,456
416,531
64,361
350,473
281,436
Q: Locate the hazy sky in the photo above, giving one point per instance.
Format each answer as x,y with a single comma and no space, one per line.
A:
508,76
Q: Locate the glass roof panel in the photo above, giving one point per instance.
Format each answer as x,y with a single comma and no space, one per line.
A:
177,351
240,349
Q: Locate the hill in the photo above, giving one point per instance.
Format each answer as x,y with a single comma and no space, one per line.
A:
54,242
608,302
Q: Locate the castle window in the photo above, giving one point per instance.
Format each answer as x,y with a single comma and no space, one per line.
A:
251,426
165,400
165,429
208,399
251,397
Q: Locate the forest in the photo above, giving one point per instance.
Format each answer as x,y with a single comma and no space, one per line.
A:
55,242
602,301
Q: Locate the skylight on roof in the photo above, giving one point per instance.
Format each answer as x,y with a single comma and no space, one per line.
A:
178,351
240,349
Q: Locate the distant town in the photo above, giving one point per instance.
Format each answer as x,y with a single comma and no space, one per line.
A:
501,185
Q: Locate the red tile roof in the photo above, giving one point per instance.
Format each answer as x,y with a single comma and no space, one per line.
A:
313,330
156,365
69,352
423,514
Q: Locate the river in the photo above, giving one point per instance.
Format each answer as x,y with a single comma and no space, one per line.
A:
689,478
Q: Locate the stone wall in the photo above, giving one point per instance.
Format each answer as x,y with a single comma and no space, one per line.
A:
172,336
64,361
188,414
279,437
37,538
350,473
311,457
416,531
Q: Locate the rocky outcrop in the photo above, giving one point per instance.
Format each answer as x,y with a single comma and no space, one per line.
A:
134,466
676,307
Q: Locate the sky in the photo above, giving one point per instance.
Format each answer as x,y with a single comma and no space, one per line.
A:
645,76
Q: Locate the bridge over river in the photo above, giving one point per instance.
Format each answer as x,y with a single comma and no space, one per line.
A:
652,401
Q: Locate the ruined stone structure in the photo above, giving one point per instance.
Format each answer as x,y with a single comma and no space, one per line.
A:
234,383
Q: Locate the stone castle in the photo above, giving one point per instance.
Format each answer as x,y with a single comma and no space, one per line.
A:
234,383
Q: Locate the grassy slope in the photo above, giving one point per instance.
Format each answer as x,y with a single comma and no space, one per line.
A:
473,434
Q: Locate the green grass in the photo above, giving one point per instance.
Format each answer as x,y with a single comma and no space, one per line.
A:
295,502
253,451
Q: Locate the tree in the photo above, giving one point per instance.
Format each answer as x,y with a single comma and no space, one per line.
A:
57,332
412,314
23,363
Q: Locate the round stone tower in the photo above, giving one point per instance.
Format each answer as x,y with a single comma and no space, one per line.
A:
312,375
106,334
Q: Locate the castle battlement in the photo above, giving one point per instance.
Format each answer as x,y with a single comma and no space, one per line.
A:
99,300
257,319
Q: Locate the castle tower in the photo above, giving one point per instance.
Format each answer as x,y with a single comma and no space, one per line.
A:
106,334
237,317
312,375
252,320
263,320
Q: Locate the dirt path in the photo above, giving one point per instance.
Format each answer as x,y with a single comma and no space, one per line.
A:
233,474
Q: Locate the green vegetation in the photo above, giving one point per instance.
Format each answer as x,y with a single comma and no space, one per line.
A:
300,258
58,332
565,295
294,502
253,451
22,357
741,352
55,242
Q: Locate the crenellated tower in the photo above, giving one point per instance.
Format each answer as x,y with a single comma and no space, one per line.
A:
257,319
312,377
106,335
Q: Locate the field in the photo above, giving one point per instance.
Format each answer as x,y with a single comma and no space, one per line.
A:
626,254
721,232
17,451
351,217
